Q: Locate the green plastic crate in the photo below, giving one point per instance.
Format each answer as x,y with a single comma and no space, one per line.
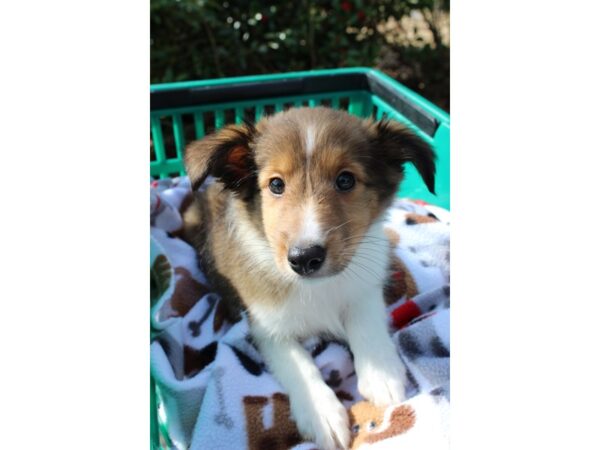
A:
182,112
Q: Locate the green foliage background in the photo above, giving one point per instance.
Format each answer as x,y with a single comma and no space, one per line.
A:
200,39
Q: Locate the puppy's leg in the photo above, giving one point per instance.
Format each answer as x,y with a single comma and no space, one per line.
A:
381,374
317,411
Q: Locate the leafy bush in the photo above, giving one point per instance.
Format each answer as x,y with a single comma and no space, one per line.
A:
199,39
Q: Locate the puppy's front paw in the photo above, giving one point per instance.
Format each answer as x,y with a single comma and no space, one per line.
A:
322,418
382,382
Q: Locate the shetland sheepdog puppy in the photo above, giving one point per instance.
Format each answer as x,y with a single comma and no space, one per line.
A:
291,232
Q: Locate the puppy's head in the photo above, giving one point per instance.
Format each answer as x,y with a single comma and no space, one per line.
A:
314,179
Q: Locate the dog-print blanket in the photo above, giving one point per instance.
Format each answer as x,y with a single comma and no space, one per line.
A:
213,388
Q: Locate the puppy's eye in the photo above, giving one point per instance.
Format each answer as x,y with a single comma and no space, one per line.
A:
344,181
277,186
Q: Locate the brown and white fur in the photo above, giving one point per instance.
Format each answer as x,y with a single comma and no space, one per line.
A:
245,234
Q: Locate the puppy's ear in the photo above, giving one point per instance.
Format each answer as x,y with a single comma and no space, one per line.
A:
225,155
393,145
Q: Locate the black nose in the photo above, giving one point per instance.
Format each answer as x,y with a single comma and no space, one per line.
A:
305,261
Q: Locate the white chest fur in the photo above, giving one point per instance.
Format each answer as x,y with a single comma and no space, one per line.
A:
320,306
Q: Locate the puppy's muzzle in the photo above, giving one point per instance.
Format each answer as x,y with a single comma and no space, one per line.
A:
305,261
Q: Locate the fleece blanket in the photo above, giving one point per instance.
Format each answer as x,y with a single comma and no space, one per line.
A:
213,388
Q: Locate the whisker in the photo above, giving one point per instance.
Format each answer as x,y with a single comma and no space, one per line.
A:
350,270
338,226
377,278
359,259
362,256
366,236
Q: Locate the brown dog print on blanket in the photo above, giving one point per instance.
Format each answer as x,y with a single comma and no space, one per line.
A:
418,219
366,419
392,236
187,292
401,283
220,316
282,435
